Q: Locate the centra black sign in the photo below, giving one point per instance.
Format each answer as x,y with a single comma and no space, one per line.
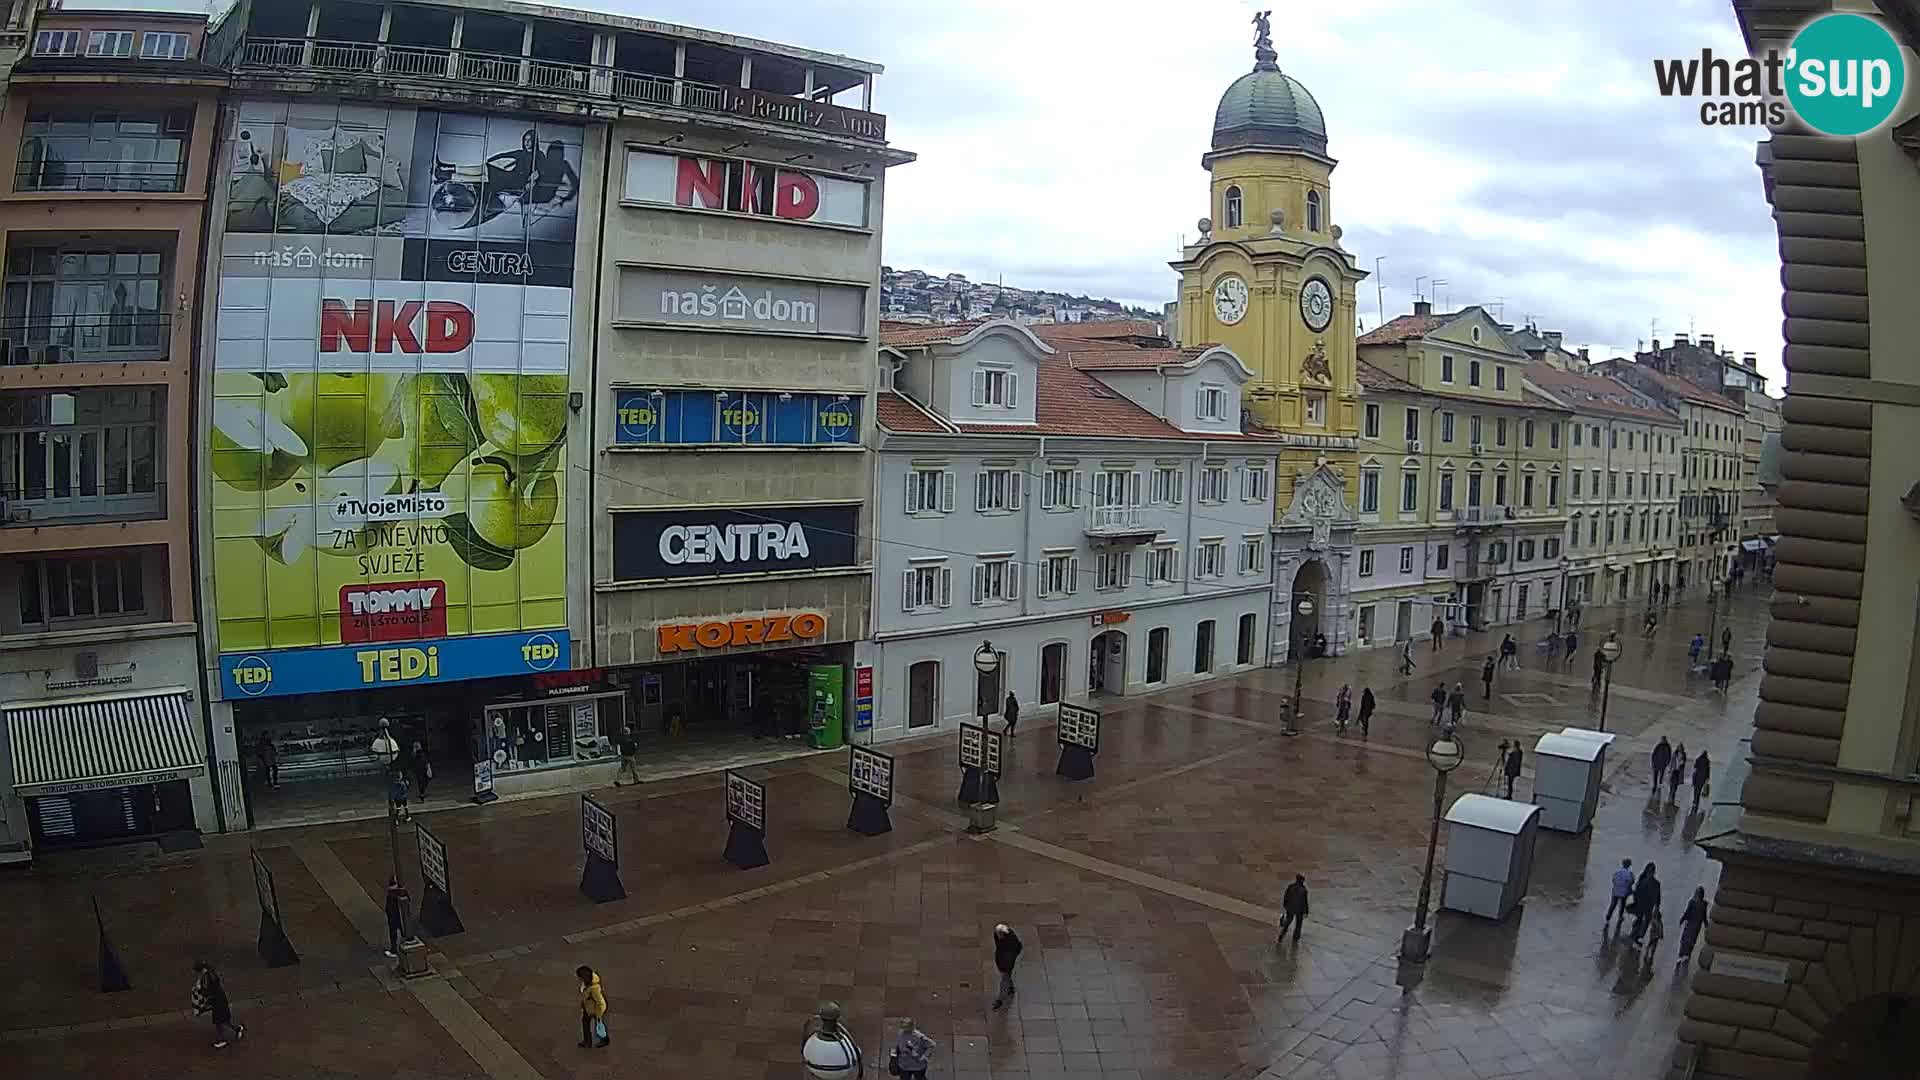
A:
708,542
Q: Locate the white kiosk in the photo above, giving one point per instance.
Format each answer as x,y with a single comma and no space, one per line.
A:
1604,738
1489,855
1566,780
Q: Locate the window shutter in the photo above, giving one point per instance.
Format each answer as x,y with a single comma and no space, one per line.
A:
1075,482
1013,389
980,490
1073,575
1179,486
1133,488
1046,490
979,387
913,492
906,590
1016,487
1013,581
946,586
946,490
979,582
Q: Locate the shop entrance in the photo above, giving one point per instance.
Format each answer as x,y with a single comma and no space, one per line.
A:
1107,663
1053,672
923,694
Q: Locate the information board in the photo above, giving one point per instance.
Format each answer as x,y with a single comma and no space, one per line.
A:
870,772
746,801
973,746
433,857
1079,726
263,889
597,831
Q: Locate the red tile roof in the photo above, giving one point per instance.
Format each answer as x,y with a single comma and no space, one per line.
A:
1404,327
1093,331
1108,356
907,335
896,413
1070,402
1375,379
1587,391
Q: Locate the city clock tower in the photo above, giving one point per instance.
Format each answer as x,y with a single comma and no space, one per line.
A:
1269,279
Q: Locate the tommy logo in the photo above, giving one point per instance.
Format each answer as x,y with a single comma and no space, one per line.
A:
393,611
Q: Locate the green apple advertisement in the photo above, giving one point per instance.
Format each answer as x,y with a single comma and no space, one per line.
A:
390,403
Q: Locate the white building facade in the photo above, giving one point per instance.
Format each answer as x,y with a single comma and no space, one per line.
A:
1107,531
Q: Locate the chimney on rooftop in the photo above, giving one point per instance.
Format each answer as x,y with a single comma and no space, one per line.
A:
1584,358
1706,342
1423,307
1553,338
1678,339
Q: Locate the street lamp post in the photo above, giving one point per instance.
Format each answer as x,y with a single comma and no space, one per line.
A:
829,1052
412,957
1445,755
1713,618
1305,608
986,662
1609,652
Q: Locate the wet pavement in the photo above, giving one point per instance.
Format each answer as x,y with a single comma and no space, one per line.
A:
1147,899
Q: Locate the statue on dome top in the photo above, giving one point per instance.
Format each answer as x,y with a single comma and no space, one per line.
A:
1265,59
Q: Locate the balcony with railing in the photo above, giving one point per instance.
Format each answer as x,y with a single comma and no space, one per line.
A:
1120,524
90,338
79,499
108,176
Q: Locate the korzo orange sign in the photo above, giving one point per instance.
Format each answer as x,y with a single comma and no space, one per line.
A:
766,630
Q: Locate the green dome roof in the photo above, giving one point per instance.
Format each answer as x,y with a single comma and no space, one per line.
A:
1269,108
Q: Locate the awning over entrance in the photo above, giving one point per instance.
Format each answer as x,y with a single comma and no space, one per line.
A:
84,744
1753,545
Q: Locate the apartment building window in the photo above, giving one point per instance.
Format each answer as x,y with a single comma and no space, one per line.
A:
1060,489
1645,525
1442,555
1646,484
1369,491
1594,476
1168,485
1253,553
1613,483
76,148
1316,404
1526,489
926,587
1525,548
1366,562
1576,479
1446,368
1500,489
1210,559
1409,490
1610,528
97,303
1473,487
1576,434
1213,484
1059,574
1371,414
996,579
1213,403
1526,433
1406,560
158,45
110,43
1499,431
1446,489
1626,527
1553,435
83,453
929,491
1233,208
1573,533
1497,551
1313,211
1553,489
1163,564
56,43
1446,427
1253,483
1473,373
1112,569
1613,438
996,388
1413,425
1550,548
70,590
1593,530
1116,487
1499,376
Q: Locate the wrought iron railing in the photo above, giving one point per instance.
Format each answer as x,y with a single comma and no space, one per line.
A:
96,337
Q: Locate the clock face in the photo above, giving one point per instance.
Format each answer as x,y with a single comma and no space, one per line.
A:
1316,304
1230,299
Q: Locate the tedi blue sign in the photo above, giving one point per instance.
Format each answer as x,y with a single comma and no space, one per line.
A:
280,672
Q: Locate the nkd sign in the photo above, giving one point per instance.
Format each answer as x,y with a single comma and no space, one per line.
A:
386,326
736,186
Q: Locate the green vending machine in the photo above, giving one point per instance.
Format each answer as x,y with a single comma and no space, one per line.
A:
826,686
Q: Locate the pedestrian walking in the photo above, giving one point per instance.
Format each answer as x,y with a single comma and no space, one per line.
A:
1006,953
1573,646
1691,922
912,1052
1513,767
1726,641
1646,902
1457,703
1342,707
420,767
1702,774
1437,632
1293,909
1677,772
210,996
1486,678
1694,648
1653,622
1662,754
1011,710
396,924
397,794
1510,652
269,756
1622,893
1439,699
1599,666
593,1009
629,747
1366,710
1723,673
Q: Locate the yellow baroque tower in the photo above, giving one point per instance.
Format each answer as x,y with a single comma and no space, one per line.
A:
1269,279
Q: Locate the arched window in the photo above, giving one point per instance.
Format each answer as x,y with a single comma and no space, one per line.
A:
1232,211
1313,211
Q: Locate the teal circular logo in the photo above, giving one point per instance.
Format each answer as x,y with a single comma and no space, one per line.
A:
1845,74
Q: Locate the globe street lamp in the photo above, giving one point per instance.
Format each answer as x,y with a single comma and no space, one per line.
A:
1445,755
1305,608
830,1052
986,662
1609,652
412,952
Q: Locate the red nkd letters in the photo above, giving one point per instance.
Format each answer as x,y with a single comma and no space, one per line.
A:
384,326
745,188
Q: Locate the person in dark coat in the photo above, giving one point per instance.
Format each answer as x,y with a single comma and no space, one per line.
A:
269,760
1646,902
1726,641
210,996
1011,710
1293,907
1439,698
1006,953
420,767
1702,773
396,922
1573,646
1510,652
1457,703
1662,755
1513,767
1437,631
1599,667
1366,709
1486,678
1691,922
1722,673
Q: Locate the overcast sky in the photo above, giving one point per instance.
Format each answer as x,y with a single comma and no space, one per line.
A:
1515,148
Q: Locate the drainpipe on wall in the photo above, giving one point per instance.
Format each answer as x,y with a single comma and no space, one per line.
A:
1026,540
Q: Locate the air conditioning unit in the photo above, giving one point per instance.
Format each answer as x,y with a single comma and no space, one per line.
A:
1413,446
1477,448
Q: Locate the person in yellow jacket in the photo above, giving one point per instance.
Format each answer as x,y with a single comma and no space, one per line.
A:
593,1009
